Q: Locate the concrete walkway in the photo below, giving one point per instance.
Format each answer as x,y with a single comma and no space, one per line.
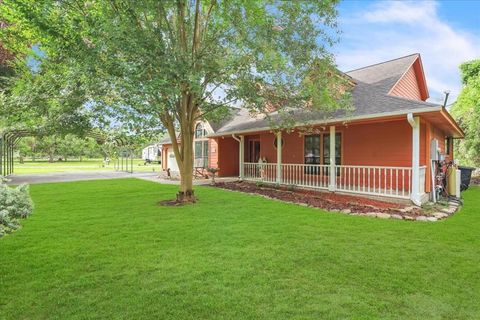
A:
98,175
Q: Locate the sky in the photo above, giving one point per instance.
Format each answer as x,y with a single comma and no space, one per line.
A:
445,33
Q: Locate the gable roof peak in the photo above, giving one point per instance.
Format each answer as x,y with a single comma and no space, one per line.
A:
416,55
384,75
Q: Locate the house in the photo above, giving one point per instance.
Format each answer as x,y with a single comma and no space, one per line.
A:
381,148
152,153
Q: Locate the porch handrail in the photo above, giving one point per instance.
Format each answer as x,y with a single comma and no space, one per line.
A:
387,181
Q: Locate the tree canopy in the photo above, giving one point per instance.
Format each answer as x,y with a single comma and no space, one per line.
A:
154,65
466,110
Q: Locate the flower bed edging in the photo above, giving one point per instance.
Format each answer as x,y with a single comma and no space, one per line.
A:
410,213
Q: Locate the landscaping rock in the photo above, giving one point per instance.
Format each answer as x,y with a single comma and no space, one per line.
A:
440,215
371,214
432,219
408,209
382,215
449,210
346,211
396,216
421,218
409,218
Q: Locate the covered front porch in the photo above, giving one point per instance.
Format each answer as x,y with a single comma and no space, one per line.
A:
370,180
378,159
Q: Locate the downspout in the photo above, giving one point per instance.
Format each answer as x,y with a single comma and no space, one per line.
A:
415,124
241,156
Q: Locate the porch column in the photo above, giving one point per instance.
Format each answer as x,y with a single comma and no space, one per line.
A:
279,156
333,174
415,123
241,156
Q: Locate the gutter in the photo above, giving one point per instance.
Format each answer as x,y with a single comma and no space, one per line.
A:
236,138
410,120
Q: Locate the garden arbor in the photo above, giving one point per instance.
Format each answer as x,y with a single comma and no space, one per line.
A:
9,140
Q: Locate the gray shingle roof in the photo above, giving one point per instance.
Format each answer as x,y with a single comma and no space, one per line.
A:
372,83
367,100
384,75
232,113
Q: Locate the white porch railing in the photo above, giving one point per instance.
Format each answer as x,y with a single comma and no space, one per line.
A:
373,180
266,172
423,172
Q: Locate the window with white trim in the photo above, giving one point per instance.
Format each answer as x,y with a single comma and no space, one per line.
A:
200,147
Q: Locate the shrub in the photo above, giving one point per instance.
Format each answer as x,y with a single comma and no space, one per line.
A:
15,204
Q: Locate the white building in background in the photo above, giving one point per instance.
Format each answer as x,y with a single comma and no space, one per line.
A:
152,153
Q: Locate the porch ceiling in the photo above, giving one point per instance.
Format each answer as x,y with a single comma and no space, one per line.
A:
442,120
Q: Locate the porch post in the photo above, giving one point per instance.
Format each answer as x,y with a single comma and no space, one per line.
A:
279,156
333,174
241,156
415,123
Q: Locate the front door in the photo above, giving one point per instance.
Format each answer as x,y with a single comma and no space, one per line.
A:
253,150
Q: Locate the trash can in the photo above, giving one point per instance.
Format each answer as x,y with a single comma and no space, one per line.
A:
466,175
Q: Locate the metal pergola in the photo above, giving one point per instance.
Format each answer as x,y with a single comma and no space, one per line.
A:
8,142
9,139
124,161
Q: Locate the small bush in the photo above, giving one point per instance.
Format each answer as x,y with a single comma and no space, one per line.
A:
15,204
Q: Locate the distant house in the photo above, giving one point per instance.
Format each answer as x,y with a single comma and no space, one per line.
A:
382,148
152,153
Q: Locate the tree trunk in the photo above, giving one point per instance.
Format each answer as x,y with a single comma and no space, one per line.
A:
50,158
186,193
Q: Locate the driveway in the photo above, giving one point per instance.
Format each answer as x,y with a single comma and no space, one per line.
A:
74,176
97,175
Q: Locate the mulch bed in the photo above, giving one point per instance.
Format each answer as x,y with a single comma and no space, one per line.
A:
318,199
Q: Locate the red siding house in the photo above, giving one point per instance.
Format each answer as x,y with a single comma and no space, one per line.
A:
382,148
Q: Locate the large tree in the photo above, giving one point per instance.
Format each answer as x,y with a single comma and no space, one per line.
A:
167,64
466,110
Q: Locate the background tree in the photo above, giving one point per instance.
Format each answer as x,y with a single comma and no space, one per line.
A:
466,111
156,65
49,146
26,148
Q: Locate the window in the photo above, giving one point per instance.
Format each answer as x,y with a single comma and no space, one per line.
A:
201,154
313,143
312,149
312,153
448,145
338,148
200,132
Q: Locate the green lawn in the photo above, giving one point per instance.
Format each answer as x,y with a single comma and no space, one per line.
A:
44,166
104,249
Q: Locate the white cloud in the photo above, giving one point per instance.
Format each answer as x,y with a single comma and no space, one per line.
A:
388,30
